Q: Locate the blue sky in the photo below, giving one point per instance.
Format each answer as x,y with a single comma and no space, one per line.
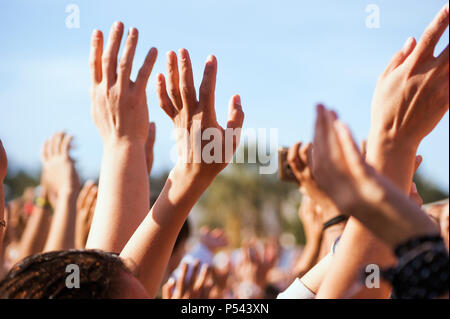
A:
281,56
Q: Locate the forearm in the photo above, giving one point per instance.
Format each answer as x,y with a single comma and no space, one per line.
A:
392,159
329,238
358,246
123,196
393,218
309,257
2,217
35,233
157,234
61,235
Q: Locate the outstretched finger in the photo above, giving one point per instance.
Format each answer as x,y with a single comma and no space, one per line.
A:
173,79
46,150
126,62
181,282
56,143
235,113
402,55
164,101
187,88
95,56
146,70
208,86
65,144
109,61
167,290
202,277
433,33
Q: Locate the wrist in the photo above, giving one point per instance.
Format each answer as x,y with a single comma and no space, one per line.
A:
191,174
122,142
383,142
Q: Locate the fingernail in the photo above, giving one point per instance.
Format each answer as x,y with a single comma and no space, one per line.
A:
446,8
183,53
237,99
414,188
117,25
133,31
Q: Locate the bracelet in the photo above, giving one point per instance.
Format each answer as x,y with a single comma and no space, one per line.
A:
333,221
41,202
422,271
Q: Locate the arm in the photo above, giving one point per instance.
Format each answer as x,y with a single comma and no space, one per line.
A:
86,202
191,175
120,112
3,170
301,162
359,190
36,230
410,99
63,184
312,224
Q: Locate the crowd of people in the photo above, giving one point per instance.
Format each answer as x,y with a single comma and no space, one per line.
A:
368,233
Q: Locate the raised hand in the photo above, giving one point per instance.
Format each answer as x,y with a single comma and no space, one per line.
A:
213,239
120,112
412,94
357,189
312,221
194,117
410,99
301,162
195,169
256,263
119,105
58,168
60,182
87,199
198,286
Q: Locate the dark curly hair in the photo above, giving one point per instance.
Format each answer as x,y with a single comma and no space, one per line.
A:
43,276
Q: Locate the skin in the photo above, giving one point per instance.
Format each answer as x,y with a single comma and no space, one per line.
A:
257,262
120,113
410,99
129,287
36,230
312,224
61,180
444,224
188,180
197,287
359,190
3,170
301,163
87,199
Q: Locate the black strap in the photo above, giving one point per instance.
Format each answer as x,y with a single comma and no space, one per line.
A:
335,220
